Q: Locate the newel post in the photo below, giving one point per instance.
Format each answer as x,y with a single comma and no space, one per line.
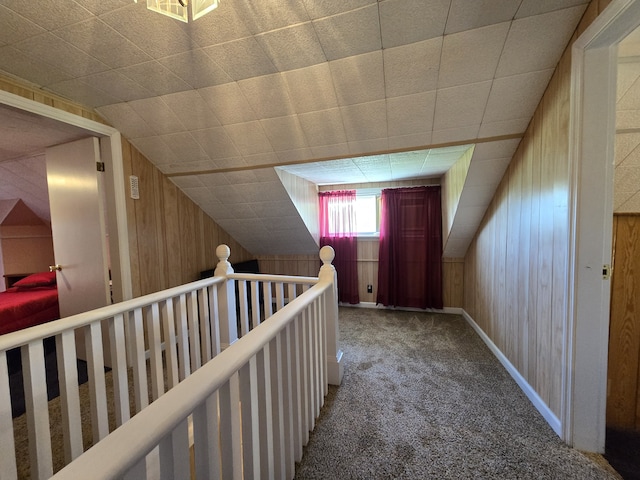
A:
335,367
226,298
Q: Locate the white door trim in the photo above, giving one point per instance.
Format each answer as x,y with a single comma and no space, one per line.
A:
117,212
591,160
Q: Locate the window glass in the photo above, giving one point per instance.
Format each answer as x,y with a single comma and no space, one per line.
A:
367,215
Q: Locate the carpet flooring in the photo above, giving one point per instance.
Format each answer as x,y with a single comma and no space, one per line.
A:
423,397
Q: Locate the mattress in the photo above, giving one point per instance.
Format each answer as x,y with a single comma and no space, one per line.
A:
21,308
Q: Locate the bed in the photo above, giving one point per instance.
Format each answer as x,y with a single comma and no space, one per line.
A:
30,301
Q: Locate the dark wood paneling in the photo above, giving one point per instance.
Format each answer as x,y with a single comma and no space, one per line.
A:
308,265
623,399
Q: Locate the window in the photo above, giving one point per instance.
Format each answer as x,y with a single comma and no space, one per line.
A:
364,216
368,215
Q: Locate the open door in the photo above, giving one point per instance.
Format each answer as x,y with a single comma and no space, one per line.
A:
78,226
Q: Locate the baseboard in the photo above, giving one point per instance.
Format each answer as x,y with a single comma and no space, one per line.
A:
532,395
453,310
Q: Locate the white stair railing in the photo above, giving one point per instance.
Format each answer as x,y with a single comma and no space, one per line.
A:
150,343
250,409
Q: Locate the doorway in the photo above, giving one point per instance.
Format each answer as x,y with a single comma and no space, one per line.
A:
592,138
111,153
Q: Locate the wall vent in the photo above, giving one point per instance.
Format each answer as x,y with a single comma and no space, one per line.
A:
133,184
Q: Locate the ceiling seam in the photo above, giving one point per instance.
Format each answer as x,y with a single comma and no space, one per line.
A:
348,156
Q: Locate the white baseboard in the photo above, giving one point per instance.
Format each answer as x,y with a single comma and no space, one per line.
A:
454,310
528,390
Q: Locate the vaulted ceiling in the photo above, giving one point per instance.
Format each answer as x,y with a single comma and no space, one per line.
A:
217,103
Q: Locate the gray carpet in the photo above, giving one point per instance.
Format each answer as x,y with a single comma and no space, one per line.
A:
423,397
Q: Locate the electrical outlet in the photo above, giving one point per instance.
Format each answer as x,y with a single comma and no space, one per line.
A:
369,288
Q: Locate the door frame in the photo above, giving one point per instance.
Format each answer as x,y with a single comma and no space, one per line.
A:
111,153
591,169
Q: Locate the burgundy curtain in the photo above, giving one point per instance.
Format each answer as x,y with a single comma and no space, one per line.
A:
410,257
338,229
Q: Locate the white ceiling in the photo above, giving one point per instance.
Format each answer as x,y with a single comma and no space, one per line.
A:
23,138
254,85
427,163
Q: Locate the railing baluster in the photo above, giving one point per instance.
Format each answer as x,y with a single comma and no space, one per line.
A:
194,331
176,447
206,438
216,347
263,362
7,443
268,303
170,342
276,407
35,396
279,286
119,369
141,391
69,396
250,419
291,292
182,332
155,351
296,390
165,449
244,307
255,304
317,358
304,376
287,402
312,367
97,386
322,326
205,325
230,430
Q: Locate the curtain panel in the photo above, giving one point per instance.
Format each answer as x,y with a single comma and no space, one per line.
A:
410,256
338,229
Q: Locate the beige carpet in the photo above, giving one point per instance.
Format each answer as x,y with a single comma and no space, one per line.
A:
423,397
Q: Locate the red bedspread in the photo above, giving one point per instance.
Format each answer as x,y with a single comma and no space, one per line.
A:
22,308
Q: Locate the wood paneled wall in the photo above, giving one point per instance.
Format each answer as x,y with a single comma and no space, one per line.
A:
304,195
171,240
623,393
515,269
368,268
452,185
309,265
302,265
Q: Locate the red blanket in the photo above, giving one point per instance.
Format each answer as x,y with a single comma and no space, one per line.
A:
22,308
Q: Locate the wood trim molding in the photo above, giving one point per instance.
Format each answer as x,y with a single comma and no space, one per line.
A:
590,210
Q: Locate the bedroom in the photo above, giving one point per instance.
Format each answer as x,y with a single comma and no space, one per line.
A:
32,243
